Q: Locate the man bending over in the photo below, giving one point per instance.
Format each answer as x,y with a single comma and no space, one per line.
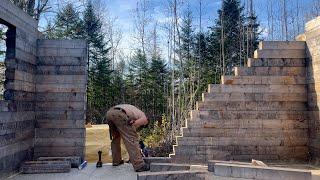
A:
123,121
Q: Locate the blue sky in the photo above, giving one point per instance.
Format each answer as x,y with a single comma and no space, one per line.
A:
123,11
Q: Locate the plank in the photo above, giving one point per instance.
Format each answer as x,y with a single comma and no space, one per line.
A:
62,70
43,123
251,105
11,163
20,65
59,151
34,167
61,79
74,88
59,142
243,132
250,124
270,71
74,160
274,62
60,115
18,14
251,97
24,56
60,97
60,106
15,106
27,44
280,53
20,86
282,45
60,133
16,147
256,88
17,127
74,43
249,152
10,18
61,61
226,141
280,80
11,117
19,95
13,74
62,52
21,135
257,172
236,115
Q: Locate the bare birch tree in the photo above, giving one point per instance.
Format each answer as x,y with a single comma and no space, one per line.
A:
142,21
33,7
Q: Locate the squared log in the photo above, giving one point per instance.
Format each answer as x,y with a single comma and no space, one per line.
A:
34,167
74,160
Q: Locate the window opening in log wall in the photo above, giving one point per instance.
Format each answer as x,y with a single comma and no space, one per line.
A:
7,51
3,49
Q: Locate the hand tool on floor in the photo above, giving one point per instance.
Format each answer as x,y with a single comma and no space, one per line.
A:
99,163
83,165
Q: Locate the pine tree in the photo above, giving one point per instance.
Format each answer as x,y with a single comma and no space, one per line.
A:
158,82
204,65
99,91
186,39
253,33
139,68
68,23
228,33
190,67
49,31
118,87
227,36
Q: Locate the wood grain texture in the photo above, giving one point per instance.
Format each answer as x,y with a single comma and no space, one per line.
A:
34,167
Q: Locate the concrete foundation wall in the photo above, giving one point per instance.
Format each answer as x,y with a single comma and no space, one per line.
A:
312,37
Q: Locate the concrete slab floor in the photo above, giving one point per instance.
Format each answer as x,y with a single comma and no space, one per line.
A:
123,172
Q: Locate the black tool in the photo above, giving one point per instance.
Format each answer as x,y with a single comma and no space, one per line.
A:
99,163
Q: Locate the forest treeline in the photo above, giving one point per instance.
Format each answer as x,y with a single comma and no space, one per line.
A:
166,82
165,90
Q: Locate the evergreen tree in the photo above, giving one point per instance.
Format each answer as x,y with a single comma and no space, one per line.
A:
227,32
186,38
253,34
139,68
190,66
229,38
49,31
68,24
118,83
213,61
99,91
158,82
203,63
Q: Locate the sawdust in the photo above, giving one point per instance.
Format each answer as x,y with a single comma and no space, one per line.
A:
97,138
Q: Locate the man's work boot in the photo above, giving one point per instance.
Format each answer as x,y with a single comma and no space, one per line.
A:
145,167
118,164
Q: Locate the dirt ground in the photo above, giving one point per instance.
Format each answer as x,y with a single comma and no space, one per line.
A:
97,138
